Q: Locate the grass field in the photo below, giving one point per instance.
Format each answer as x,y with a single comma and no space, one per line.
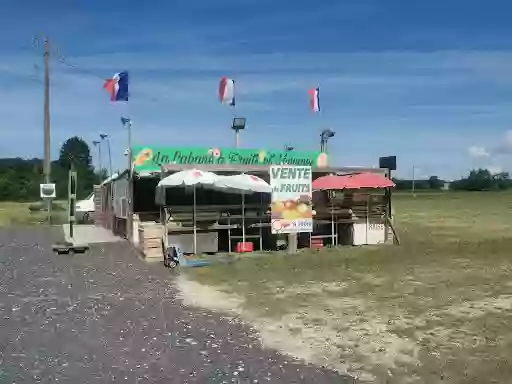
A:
12,214
438,308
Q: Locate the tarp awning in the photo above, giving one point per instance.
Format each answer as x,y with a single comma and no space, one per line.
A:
354,181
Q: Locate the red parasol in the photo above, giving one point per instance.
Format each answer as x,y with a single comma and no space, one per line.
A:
355,181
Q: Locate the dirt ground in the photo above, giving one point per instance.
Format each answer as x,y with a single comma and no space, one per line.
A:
435,309
108,317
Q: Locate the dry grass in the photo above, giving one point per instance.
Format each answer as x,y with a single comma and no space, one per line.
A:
13,214
436,309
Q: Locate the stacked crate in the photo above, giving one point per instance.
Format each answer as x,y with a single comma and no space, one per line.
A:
98,208
150,241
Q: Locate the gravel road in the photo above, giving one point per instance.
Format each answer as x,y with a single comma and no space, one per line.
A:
108,317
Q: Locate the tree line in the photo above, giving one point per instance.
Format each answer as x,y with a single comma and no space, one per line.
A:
477,180
20,178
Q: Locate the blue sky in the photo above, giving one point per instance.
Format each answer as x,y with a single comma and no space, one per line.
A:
428,81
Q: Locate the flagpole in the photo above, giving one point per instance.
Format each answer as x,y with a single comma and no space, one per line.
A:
226,90
127,122
118,88
237,131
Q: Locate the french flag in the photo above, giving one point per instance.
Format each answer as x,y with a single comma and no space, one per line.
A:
117,87
314,99
227,91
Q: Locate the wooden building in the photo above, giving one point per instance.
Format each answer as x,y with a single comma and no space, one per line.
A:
128,201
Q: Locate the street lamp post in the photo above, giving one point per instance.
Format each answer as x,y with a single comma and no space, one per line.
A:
98,145
104,136
238,125
324,137
128,125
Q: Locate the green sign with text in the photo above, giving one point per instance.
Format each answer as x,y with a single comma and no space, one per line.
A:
150,159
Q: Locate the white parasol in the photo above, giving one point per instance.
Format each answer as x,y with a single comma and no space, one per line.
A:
242,183
189,177
192,177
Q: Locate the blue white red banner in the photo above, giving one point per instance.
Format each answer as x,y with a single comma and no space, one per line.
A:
227,91
117,87
314,99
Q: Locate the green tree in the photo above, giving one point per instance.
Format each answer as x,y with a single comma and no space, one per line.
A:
20,178
435,183
502,180
480,180
483,180
77,152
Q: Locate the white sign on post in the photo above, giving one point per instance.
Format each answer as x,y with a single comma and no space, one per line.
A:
47,191
292,210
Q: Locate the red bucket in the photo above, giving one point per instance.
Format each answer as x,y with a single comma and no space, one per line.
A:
244,247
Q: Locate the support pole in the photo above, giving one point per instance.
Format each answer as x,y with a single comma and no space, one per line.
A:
46,107
194,219
101,165
163,215
260,213
292,243
243,218
413,180
129,219
389,197
333,237
72,187
229,233
109,157
237,138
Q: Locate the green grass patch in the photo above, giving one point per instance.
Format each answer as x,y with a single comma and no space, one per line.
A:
426,310
20,214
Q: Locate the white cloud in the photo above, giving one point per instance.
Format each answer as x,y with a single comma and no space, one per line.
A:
495,169
504,146
496,158
508,139
476,152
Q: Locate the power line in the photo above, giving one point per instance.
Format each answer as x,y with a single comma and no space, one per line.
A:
62,59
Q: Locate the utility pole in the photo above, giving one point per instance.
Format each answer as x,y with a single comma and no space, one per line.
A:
47,154
414,180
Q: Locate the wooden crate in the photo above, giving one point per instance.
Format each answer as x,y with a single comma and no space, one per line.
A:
150,240
153,254
97,215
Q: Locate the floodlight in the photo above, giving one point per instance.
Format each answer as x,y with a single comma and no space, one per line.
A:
324,137
327,133
238,123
